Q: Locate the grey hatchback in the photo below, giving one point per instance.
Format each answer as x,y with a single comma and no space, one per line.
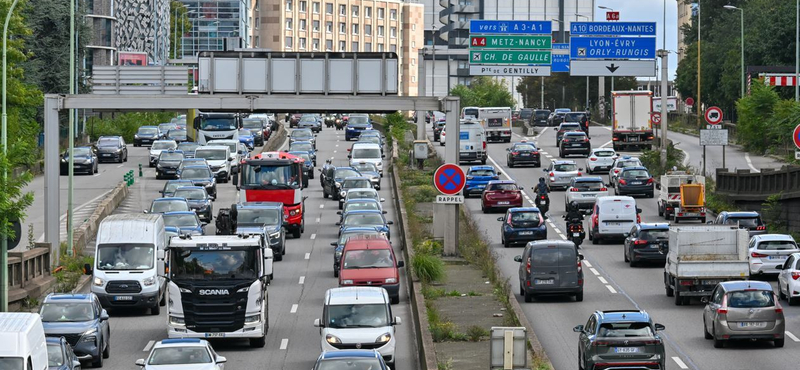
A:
743,310
550,267
624,339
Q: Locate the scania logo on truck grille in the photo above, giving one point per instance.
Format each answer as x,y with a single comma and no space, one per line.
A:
213,292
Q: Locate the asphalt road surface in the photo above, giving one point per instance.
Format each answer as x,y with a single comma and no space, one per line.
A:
611,284
295,295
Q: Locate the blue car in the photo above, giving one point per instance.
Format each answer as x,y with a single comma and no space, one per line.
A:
477,178
60,355
521,225
187,222
304,146
246,137
200,175
346,359
355,124
82,321
366,219
172,231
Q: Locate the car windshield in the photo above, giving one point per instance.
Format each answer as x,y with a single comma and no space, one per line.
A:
588,185
297,134
471,112
743,221
310,119
81,152
632,163
502,187
108,142
67,312
565,167
252,123
366,167
635,174
194,194
193,264
301,147
245,132
369,139
148,130
654,235
574,136
188,147
624,330
356,183
482,173
170,156
162,206
574,117
232,145
196,173
751,299
603,153
365,258
349,364
252,216
179,356
776,245
542,114
357,316
345,172
362,194
182,220
526,218
125,256
525,148
167,126
211,154
361,206
164,145
366,153
177,133
54,356
358,120
173,185
363,219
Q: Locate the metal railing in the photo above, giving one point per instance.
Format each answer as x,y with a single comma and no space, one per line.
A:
746,185
140,80
28,265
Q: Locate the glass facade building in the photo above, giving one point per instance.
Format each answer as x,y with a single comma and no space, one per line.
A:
215,22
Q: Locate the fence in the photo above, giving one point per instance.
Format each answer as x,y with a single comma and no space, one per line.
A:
746,185
26,270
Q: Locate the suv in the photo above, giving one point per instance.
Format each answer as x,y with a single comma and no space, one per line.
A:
370,261
158,147
550,267
746,220
168,162
584,191
112,148
646,242
82,321
182,353
619,164
355,124
540,117
743,310
565,127
620,339
332,178
523,153
574,143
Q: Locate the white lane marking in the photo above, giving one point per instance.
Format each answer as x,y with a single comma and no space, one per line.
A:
589,265
76,209
607,128
318,219
685,162
543,152
308,256
337,145
792,336
321,206
95,175
749,162
602,280
120,166
592,269
543,131
548,156
679,362
606,144
332,158
294,309
334,151
148,346
284,343
313,236
611,289
302,280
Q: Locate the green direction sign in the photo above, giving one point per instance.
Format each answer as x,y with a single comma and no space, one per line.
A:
509,57
511,42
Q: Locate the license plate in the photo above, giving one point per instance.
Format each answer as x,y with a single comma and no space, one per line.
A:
576,145
215,335
123,298
614,223
503,203
777,257
106,155
626,349
711,282
525,154
636,182
526,233
543,282
633,138
588,195
576,234
752,324
543,202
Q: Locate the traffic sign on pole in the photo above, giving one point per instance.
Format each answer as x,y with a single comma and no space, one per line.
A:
518,70
612,67
796,136
713,115
612,48
510,57
449,179
656,118
612,29
690,101
612,16
511,42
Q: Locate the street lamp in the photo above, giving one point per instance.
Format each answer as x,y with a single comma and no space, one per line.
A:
587,77
605,8
741,13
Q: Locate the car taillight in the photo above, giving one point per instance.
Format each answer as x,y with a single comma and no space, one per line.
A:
761,228
778,307
514,153
603,189
580,265
536,153
552,174
649,181
640,242
795,275
484,145
542,197
638,219
586,140
573,189
615,139
508,221
757,255
580,174
599,343
723,310
528,265
592,159
687,282
623,182
616,171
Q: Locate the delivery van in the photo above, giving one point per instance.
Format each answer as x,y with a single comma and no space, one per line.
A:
24,346
472,142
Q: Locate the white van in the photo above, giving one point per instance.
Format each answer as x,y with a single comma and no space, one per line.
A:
218,158
472,142
236,150
367,152
24,346
612,217
129,262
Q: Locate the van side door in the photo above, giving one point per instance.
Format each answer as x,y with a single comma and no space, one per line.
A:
568,267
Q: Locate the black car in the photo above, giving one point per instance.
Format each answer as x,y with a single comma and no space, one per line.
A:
256,127
647,242
540,117
437,129
60,355
146,135
85,161
578,117
167,164
635,180
523,153
565,127
332,182
574,142
749,220
555,118
620,339
112,148
198,199
82,321
178,135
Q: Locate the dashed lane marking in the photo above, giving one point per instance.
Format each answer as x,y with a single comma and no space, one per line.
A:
792,336
302,280
602,280
587,263
611,289
120,166
321,206
313,236
318,219
284,343
592,269
308,256
750,163
148,346
294,309
679,362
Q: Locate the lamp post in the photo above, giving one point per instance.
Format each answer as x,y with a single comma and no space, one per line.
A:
609,9
587,77
741,13
699,109
433,72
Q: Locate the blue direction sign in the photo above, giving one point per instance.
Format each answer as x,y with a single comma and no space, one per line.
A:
564,46
487,27
612,48
612,29
560,62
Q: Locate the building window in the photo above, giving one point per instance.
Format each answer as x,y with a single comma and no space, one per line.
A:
315,7
328,8
381,12
367,46
393,48
380,31
355,28
288,42
342,27
413,61
354,8
393,32
302,43
258,22
328,45
258,42
315,44
288,5
302,25
380,47
288,23
341,45
342,9
355,46
414,27
392,13
329,27
368,29
368,11
315,26
258,5
413,44
414,79
302,7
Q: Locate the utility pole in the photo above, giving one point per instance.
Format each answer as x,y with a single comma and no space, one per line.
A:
71,165
699,109
664,54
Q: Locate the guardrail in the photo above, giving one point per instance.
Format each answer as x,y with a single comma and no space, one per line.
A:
29,272
140,80
746,185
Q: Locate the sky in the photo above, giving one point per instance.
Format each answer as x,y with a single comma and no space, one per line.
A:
644,11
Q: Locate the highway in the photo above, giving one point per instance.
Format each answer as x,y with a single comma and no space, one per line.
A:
612,284
295,295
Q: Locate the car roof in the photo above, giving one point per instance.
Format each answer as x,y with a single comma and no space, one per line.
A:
356,178
350,353
654,226
745,285
260,205
742,214
631,168
494,182
524,143
181,342
344,168
304,129
588,179
179,213
365,211
349,295
365,145
564,162
195,159
367,243
179,181
360,229
67,297
524,209
623,316
219,147
551,242
148,126
569,124
169,199
195,166
190,188
770,237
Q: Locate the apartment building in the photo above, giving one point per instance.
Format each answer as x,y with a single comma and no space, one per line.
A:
685,13
216,25
343,25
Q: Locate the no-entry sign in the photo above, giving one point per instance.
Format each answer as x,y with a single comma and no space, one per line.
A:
796,136
449,179
656,118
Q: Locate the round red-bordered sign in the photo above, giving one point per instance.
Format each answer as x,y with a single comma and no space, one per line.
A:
690,101
656,118
449,179
714,115
796,136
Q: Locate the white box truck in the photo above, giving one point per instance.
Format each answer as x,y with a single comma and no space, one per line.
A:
632,126
700,257
24,345
496,121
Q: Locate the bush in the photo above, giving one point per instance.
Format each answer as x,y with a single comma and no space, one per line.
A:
428,267
125,124
476,333
432,247
423,193
652,160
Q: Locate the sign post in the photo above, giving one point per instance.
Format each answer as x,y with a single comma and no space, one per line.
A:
510,48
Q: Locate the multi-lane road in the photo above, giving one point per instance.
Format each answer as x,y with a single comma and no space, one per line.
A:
295,295
612,284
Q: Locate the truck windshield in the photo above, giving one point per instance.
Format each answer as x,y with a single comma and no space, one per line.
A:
11,363
273,177
357,316
217,123
365,259
192,264
473,112
125,257
66,312
248,216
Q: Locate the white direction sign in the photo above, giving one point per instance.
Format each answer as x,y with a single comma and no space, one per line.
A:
637,68
486,70
714,137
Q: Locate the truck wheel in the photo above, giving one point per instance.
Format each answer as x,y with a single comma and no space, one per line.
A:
258,342
579,296
296,233
660,211
678,299
670,291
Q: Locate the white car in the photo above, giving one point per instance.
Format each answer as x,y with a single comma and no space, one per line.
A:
584,191
442,137
158,147
190,354
768,253
789,280
601,159
619,164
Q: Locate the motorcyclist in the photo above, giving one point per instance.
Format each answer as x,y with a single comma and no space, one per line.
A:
541,187
574,214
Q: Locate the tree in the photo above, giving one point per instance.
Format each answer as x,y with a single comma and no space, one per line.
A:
484,91
179,10
564,91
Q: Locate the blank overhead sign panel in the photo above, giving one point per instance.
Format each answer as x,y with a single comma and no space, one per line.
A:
261,72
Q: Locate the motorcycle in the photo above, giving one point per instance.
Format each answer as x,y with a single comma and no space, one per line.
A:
543,203
339,124
575,232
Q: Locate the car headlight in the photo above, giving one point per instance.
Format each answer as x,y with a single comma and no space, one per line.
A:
136,136
338,253
384,338
332,339
184,290
91,331
174,320
275,235
98,281
347,282
149,281
252,319
159,166
390,281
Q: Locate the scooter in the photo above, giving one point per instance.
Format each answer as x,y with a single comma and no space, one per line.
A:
543,203
575,232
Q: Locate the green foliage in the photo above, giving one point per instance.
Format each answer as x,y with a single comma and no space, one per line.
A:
14,201
476,333
652,160
125,124
72,269
771,211
447,365
433,247
715,202
430,292
427,268
396,125
766,121
484,91
564,91
423,193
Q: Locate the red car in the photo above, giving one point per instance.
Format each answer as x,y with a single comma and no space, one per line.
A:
501,194
369,260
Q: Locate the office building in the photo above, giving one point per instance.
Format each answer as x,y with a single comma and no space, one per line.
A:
216,25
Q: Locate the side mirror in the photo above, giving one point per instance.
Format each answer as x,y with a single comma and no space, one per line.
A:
145,211
334,244
384,212
397,321
580,169
87,269
517,258
338,212
140,362
235,180
383,155
501,219
390,222
660,327
317,323
638,210
338,224
544,170
221,360
704,299
578,329
383,200
103,315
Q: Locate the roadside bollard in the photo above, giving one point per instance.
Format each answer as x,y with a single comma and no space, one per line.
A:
140,170
127,179
133,179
